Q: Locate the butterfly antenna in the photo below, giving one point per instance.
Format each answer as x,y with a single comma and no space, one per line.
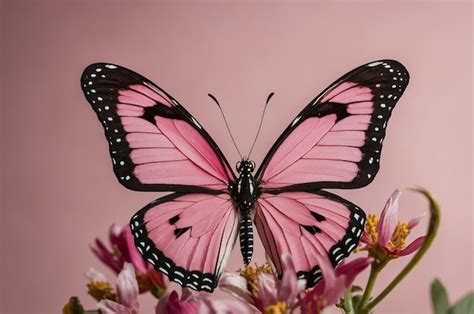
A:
261,122
226,124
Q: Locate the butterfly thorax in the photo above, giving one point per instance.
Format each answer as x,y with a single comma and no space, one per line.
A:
244,190
244,193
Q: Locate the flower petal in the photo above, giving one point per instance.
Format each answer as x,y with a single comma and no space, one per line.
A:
111,307
288,289
106,257
415,221
334,285
163,303
134,256
414,246
95,275
127,287
114,233
176,306
236,286
208,306
267,289
353,268
388,219
365,238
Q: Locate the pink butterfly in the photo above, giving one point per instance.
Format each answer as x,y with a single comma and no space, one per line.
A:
156,145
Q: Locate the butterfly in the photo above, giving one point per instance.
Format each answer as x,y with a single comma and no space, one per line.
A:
157,145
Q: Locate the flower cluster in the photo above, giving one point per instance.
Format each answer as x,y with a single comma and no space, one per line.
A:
261,288
123,251
258,289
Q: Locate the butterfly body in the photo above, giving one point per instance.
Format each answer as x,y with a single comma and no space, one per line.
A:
157,145
245,192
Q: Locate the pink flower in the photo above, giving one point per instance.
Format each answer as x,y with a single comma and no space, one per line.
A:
123,251
127,293
389,234
172,304
198,303
331,288
263,290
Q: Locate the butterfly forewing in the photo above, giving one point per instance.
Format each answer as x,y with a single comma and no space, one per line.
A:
336,141
155,144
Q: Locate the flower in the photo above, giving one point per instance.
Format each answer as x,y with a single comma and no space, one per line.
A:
261,288
172,304
190,303
386,237
98,286
127,293
330,289
123,251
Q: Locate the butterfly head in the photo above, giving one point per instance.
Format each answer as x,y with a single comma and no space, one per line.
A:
245,165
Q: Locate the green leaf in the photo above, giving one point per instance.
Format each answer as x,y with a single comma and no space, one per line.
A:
463,306
439,297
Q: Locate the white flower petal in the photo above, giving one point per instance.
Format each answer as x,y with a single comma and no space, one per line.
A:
95,275
236,286
111,307
127,286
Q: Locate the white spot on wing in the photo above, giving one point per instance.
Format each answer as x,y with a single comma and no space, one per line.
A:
296,120
196,123
373,64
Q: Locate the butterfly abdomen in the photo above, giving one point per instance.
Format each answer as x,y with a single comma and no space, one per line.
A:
246,238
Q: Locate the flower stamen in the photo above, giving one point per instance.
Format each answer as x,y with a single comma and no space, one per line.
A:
101,290
371,227
277,308
250,274
398,240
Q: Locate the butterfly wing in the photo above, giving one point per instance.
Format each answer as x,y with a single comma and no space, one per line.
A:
318,224
335,142
155,144
188,237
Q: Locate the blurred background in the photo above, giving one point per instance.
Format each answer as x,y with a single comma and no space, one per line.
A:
58,189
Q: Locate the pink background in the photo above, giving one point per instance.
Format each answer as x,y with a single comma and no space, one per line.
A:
58,188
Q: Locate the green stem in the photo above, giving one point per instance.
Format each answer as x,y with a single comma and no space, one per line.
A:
348,306
430,235
374,272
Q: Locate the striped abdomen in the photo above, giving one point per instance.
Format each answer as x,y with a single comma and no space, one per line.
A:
246,238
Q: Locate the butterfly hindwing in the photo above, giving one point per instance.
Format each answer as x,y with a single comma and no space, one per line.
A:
188,237
155,144
336,141
305,225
